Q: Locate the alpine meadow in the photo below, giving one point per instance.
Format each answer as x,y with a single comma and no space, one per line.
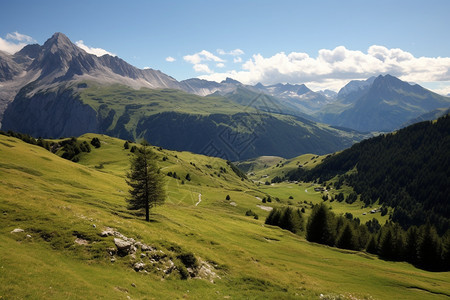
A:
297,150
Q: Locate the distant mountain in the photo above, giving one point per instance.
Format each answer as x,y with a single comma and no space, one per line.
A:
354,87
381,104
329,94
59,60
297,96
173,119
429,116
61,90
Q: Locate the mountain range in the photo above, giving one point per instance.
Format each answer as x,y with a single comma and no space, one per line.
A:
58,89
383,103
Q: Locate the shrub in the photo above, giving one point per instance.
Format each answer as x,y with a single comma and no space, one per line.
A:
95,142
251,213
188,259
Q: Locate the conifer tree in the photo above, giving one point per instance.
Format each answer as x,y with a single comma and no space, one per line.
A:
372,246
347,238
145,181
319,228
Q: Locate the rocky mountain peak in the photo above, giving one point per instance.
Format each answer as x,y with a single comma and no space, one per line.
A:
59,41
230,81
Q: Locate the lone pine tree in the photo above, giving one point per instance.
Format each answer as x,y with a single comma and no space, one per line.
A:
145,181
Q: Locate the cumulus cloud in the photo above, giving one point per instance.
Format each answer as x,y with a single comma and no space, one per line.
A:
20,37
15,41
96,51
170,59
237,60
198,59
201,56
202,68
333,68
235,52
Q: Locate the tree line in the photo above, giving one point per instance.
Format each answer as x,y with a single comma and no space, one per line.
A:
421,246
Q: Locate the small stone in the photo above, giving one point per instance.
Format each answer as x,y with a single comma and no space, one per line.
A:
111,251
17,230
139,266
113,259
107,232
28,236
143,255
81,241
133,284
93,225
145,247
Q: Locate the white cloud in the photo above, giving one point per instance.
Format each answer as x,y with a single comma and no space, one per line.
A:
237,60
235,52
96,51
202,68
201,56
334,68
14,42
20,37
147,68
220,65
170,59
440,87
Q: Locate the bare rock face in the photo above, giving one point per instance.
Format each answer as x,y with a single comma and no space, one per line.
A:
64,114
17,230
123,247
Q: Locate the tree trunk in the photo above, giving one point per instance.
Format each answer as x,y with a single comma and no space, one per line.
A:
147,200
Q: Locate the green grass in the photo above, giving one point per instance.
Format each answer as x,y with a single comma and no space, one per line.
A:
265,168
135,103
55,201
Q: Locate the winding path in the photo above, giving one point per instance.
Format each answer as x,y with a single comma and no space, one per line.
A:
199,199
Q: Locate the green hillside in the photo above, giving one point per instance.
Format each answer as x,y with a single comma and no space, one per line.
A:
407,169
63,207
171,119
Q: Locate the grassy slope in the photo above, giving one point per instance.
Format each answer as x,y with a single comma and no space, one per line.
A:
267,167
51,199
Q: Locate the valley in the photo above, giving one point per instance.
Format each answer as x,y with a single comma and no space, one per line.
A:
56,201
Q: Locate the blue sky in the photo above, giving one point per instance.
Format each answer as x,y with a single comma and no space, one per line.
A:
320,43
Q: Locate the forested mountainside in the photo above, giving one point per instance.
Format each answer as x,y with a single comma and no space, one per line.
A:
408,170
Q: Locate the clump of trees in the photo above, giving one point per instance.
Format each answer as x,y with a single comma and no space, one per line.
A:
421,246
96,142
145,181
72,147
286,218
28,139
